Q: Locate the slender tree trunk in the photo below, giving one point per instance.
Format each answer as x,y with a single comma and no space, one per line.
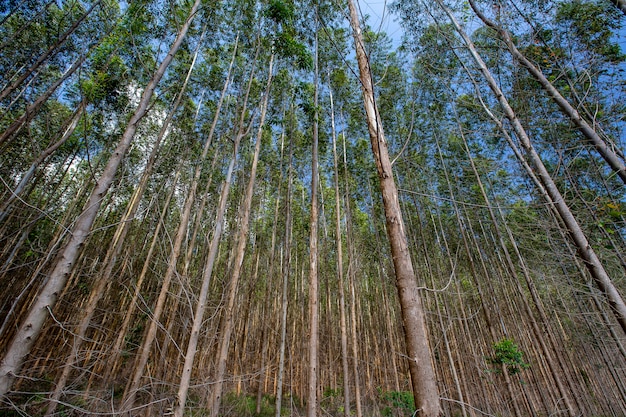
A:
351,272
551,192
9,89
199,313
311,408
286,265
32,109
265,308
129,314
142,360
513,272
30,329
425,391
242,240
198,316
28,175
594,138
340,277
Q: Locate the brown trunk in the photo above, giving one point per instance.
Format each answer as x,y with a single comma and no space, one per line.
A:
30,329
312,401
594,138
425,391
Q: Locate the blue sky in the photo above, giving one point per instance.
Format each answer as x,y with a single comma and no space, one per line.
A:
381,18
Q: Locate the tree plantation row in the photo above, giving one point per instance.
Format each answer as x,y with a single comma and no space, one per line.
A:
262,208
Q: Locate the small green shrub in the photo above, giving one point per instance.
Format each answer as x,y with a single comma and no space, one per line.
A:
245,406
397,403
507,353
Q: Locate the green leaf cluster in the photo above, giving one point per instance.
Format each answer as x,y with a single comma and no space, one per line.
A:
593,23
287,46
507,353
280,11
398,403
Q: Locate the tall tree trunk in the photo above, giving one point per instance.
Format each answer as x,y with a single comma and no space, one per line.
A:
590,133
142,360
286,267
354,345
207,274
269,295
550,190
425,391
60,41
30,328
311,407
340,277
242,240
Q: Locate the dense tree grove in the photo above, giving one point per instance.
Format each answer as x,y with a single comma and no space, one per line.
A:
261,207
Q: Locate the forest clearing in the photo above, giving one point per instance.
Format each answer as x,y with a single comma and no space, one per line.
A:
264,208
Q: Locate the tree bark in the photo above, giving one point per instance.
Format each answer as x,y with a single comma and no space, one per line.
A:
9,89
30,328
594,138
311,408
425,391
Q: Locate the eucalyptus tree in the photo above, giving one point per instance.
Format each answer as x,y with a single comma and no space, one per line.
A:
103,277
33,323
52,49
313,364
340,274
549,188
605,150
285,272
146,346
424,384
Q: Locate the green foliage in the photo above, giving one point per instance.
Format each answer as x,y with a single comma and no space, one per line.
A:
286,43
287,46
245,406
280,11
109,73
397,403
508,354
594,24
306,103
